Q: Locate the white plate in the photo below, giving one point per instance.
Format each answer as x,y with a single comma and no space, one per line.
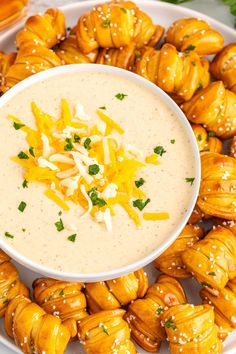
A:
163,14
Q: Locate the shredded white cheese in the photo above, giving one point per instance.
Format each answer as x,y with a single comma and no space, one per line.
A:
82,169
131,151
61,158
110,191
67,173
90,204
80,113
47,150
106,152
107,220
71,185
45,163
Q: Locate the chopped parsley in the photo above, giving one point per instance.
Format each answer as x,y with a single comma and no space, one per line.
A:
190,180
199,137
69,146
169,324
120,96
200,85
22,206
204,283
25,184
60,213
93,195
159,150
87,143
104,328
140,204
93,169
172,141
123,9
211,134
23,230
106,24
190,48
31,151
137,54
59,225
7,234
18,126
212,273
76,138
102,107
72,238
159,310
139,182
61,293
193,63
23,156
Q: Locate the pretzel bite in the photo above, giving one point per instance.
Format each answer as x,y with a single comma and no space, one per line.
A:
223,66
215,108
33,330
192,34
224,307
123,58
46,29
179,74
11,11
143,315
63,299
106,332
191,329
116,25
217,194
6,61
212,261
206,141
170,262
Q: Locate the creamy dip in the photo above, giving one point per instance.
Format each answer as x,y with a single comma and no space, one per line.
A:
147,122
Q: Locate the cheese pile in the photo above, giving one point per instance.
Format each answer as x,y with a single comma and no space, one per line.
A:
80,163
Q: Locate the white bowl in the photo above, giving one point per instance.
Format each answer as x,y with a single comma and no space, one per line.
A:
185,124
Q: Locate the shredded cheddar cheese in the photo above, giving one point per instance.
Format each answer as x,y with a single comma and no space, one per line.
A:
81,163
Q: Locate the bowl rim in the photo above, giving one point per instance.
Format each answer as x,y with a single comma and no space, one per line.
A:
117,272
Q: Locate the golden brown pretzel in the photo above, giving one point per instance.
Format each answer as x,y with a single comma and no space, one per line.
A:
170,262
179,74
63,299
33,330
106,332
232,151
228,224
196,216
46,29
6,60
224,307
191,329
11,11
143,315
10,284
212,260
194,34
115,25
215,108
69,53
217,194
120,57
113,294
223,66
30,60
206,141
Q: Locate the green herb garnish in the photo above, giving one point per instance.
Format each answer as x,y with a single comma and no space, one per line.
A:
159,150
120,96
72,238
190,48
211,134
104,328
204,283
59,225
137,54
76,138
61,293
69,146
103,107
18,126
123,9
23,230
193,63
7,234
31,151
199,137
25,184
23,156
169,324
190,180
93,169
22,206
172,141
93,195
139,182
60,213
212,273
106,24
87,143
159,310
200,85
140,204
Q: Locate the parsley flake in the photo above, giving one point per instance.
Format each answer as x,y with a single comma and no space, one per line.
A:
169,324
7,234
140,204
159,310
139,182
199,137
172,141
193,63
61,293
23,156
103,107
60,213
212,273
190,180
211,134
76,138
200,85
106,24
18,126
23,230
104,328
190,48
137,54
93,169
87,143
204,283
159,150
93,195
120,96
31,151
123,9
69,146
59,225
22,206
25,184
72,238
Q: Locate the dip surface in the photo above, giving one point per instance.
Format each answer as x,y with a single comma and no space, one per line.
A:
147,123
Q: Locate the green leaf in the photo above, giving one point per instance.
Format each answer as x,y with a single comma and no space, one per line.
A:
211,134
22,206
159,310
7,234
23,156
190,48
140,204
18,126
76,138
169,324
139,182
93,169
61,293
193,63
213,274
120,96
25,184
190,180
103,107
172,141
93,195
204,283
72,238
199,137
104,328
106,24
159,150
31,151
123,9
59,225
87,143
69,146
